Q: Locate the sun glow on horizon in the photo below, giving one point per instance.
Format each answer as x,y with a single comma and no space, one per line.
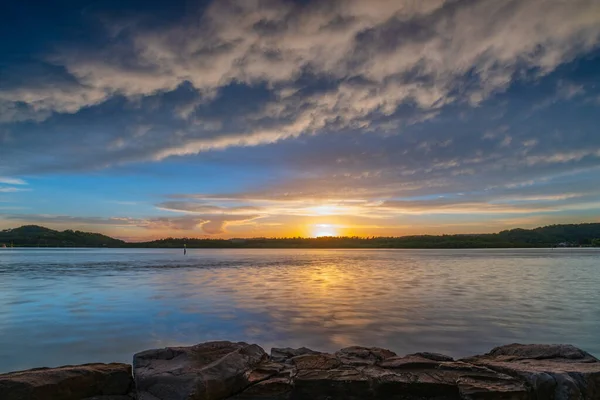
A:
324,230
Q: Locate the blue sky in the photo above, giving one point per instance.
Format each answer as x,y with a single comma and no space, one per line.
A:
275,118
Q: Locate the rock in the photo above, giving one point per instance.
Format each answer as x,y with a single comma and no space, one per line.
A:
95,381
213,370
411,385
315,362
283,354
278,388
335,383
363,355
428,376
563,352
267,370
433,356
409,362
241,371
558,372
477,387
513,372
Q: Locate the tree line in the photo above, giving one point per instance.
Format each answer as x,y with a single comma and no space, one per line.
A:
571,235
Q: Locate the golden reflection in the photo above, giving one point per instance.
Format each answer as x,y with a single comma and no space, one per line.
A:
329,304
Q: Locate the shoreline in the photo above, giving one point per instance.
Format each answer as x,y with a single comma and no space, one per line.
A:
566,235
298,248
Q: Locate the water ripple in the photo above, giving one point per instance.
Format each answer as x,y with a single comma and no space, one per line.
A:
74,306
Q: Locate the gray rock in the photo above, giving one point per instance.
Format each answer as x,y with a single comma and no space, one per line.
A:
67,383
357,355
409,362
415,377
315,362
278,388
558,372
213,370
286,353
433,356
562,352
240,371
514,372
478,387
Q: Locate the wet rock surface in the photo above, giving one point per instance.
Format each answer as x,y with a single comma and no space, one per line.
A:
242,371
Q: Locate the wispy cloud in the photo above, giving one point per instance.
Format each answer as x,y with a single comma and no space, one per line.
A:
206,224
204,208
499,201
12,181
12,189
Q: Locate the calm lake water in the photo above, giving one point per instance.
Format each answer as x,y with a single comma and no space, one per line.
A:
78,305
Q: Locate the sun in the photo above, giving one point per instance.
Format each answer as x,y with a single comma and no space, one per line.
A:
323,230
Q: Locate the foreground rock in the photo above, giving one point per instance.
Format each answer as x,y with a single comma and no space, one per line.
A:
214,370
90,381
552,371
239,371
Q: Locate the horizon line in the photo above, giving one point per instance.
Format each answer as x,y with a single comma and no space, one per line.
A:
369,237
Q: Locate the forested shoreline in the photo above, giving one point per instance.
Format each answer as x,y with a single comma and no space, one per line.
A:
570,235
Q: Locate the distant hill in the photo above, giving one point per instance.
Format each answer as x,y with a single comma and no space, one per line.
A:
38,236
548,236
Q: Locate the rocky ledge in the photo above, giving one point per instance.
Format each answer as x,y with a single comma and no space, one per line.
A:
89,381
241,371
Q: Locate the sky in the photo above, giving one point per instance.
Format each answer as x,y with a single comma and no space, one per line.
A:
252,118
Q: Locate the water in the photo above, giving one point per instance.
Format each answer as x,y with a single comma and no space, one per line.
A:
72,306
